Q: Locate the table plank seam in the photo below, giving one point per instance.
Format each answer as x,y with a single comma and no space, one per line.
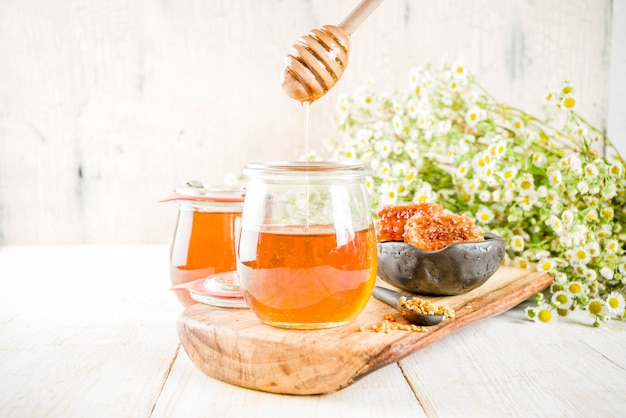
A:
168,371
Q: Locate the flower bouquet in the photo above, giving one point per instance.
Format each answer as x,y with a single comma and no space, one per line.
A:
539,183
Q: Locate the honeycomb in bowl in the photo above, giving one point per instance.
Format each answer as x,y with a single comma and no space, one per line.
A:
436,232
393,218
425,225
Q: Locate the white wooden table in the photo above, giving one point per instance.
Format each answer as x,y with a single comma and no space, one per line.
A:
90,331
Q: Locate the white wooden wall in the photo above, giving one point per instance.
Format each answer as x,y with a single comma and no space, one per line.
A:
106,105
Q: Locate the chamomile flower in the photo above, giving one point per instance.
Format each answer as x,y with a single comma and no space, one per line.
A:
484,196
597,307
526,183
412,109
616,169
508,173
412,150
388,193
348,153
517,125
549,97
383,170
546,265
615,303
463,169
398,124
593,248
402,190
576,288
400,168
562,299
555,223
591,170
607,273
529,200
474,115
398,108
423,120
520,262
370,184
555,176
458,71
409,176
539,159
517,243
591,215
568,102
612,246
484,215
545,313
531,313
607,213
498,149
579,255
424,194
582,187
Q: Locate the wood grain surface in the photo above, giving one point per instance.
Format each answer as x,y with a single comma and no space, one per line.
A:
232,345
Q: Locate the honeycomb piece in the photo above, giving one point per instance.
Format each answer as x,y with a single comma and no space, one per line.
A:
392,218
433,233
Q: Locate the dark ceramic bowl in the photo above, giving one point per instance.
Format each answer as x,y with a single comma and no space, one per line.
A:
453,270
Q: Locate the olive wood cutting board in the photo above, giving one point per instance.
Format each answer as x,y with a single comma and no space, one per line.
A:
232,345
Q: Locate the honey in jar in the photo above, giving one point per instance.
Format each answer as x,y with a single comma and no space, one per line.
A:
205,236
307,250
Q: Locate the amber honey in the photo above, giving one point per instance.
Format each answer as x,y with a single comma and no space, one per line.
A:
307,276
203,244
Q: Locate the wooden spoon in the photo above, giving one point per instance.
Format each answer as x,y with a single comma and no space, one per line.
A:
392,298
317,61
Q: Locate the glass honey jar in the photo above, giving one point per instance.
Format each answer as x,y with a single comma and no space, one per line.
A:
307,253
204,242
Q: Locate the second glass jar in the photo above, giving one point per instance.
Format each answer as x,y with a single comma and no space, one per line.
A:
307,253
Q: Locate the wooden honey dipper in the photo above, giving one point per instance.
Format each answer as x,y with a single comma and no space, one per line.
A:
318,59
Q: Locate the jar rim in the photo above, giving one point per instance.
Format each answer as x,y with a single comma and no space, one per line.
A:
308,167
195,190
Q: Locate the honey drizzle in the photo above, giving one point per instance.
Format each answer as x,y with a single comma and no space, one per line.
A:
307,109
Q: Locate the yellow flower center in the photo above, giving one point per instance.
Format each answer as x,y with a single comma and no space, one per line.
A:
613,302
595,308
581,254
545,315
569,103
574,288
562,299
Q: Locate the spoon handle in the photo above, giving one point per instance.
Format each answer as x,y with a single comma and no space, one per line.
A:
358,15
388,296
